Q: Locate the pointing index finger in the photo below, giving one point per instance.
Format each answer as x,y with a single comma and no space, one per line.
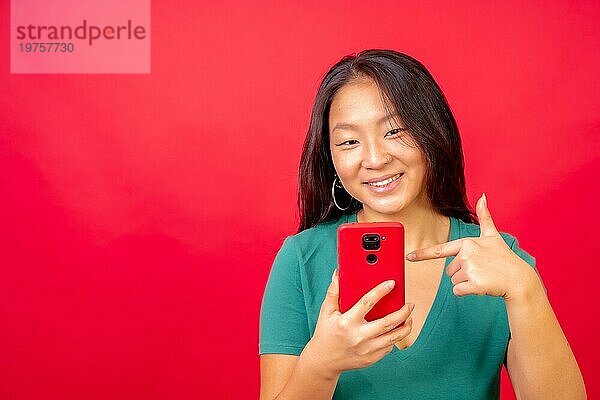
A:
442,250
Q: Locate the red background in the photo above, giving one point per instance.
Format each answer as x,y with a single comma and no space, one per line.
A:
140,214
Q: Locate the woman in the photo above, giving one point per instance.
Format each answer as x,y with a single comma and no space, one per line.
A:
383,145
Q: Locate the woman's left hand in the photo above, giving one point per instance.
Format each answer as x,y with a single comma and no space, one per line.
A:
483,265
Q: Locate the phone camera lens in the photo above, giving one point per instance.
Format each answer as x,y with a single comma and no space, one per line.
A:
371,258
371,241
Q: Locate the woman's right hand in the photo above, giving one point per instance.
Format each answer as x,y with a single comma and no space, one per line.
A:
347,341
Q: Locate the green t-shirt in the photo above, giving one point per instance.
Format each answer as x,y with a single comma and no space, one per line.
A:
457,355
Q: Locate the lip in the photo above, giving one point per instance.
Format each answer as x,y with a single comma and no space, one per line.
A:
385,190
383,178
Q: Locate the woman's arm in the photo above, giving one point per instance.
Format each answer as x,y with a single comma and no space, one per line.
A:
341,342
286,377
540,362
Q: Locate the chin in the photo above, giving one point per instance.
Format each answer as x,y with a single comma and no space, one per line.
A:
386,209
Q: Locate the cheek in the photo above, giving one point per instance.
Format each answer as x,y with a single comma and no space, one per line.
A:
418,164
418,168
415,162
411,155
345,163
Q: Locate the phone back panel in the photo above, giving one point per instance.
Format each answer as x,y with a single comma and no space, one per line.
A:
357,276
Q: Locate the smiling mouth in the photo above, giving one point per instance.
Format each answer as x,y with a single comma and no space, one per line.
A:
385,182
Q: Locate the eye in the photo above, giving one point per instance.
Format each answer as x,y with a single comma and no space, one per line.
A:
395,132
348,143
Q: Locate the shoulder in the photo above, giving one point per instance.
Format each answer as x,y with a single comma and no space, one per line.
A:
310,240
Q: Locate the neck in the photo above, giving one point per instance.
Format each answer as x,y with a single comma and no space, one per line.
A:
423,225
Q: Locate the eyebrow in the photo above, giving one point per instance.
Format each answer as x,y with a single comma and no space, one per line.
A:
347,125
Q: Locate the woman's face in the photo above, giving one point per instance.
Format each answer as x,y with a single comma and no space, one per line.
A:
375,159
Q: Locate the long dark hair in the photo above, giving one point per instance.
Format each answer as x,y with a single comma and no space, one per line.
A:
406,85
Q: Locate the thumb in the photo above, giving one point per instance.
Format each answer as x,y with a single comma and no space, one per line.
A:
330,304
486,223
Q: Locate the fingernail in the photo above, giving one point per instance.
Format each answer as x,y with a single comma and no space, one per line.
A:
411,307
333,275
390,284
484,199
411,255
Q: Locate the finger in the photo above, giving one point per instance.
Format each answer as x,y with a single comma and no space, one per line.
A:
389,322
485,218
459,277
331,302
394,336
378,354
447,249
453,267
465,288
368,301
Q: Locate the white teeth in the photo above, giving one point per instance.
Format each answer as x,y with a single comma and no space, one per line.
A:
385,182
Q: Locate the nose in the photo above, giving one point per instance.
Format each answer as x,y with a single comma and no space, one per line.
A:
375,156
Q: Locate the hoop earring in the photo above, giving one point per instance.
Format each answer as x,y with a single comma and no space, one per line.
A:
339,186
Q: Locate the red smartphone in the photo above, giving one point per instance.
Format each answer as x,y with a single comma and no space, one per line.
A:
370,253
